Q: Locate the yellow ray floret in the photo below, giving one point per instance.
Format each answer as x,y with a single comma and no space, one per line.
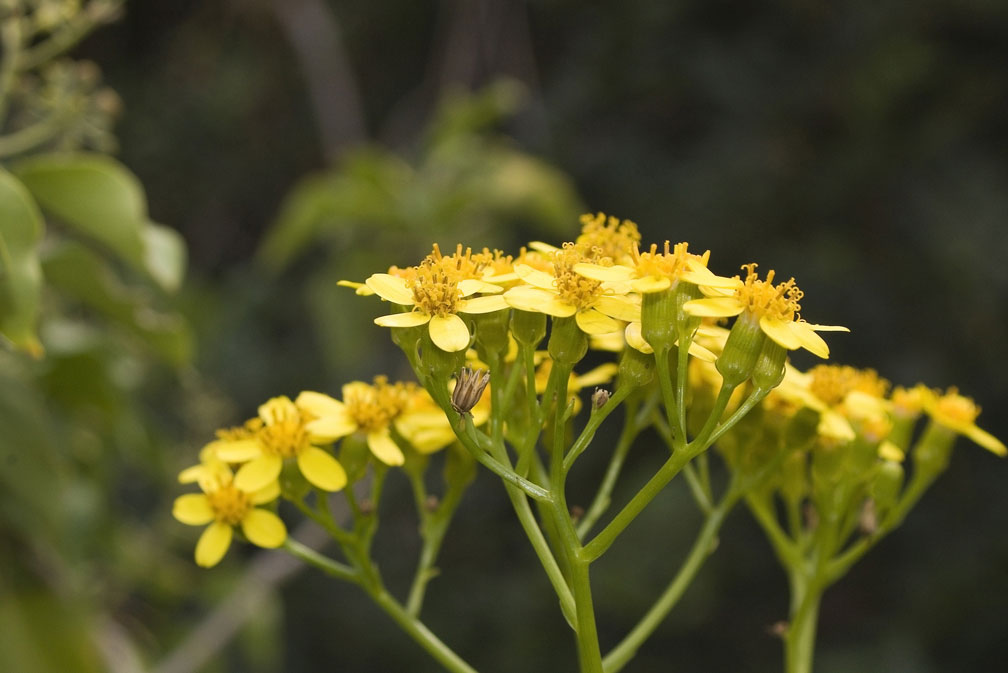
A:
282,435
775,307
223,505
959,413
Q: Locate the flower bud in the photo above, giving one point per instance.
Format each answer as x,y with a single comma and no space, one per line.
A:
741,351
567,343
769,369
492,331
635,368
886,485
528,327
599,398
469,386
662,317
354,455
933,449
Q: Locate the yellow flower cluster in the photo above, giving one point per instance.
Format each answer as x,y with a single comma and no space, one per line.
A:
239,472
598,279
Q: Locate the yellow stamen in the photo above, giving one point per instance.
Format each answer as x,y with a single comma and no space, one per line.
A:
763,298
229,504
832,383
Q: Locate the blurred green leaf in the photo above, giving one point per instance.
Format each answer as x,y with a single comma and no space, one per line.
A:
102,199
81,274
39,633
21,229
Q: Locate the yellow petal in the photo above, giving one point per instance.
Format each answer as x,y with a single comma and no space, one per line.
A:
604,373
359,289
213,544
713,307
889,451
319,404
615,272
592,321
191,474
651,284
635,339
986,440
193,509
392,288
538,300
487,304
701,353
238,450
780,331
698,274
828,328
264,528
535,277
470,286
321,469
621,308
449,333
384,449
268,493
810,341
331,428
258,473
408,319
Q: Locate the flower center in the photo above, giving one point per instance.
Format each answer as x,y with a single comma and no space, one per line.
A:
374,406
229,504
614,239
572,287
670,263
832,383
956,408
283,433
763,298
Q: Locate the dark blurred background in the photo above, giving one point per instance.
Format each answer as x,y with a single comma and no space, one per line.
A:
858,146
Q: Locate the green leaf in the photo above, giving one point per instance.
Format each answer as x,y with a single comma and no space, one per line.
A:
77,272
21,228
101,199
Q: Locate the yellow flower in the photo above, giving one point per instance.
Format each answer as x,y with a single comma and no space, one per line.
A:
224,505
655,271
369,409
438,290
598,308
282,435
959,413
775,307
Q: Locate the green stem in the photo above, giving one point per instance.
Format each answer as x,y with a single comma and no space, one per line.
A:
644,496
419,632
323,563
799,643
631,428
702,548
471,440
589,653
12,40
67,36
669,398
588,433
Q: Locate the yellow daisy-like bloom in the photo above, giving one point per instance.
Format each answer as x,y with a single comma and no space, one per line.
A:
282,435
439,289
655,271
597,307
610,237
959,413
224,505
775,307
368,409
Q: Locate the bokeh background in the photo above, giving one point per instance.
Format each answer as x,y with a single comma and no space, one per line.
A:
858,146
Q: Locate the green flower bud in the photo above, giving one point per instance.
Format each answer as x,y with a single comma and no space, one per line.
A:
528,327
636,369
492,331
769,369
354,456
741,351
567,343
662,317
933,449
886,485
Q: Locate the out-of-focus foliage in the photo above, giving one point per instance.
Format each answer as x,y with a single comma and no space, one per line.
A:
465,182
85,301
